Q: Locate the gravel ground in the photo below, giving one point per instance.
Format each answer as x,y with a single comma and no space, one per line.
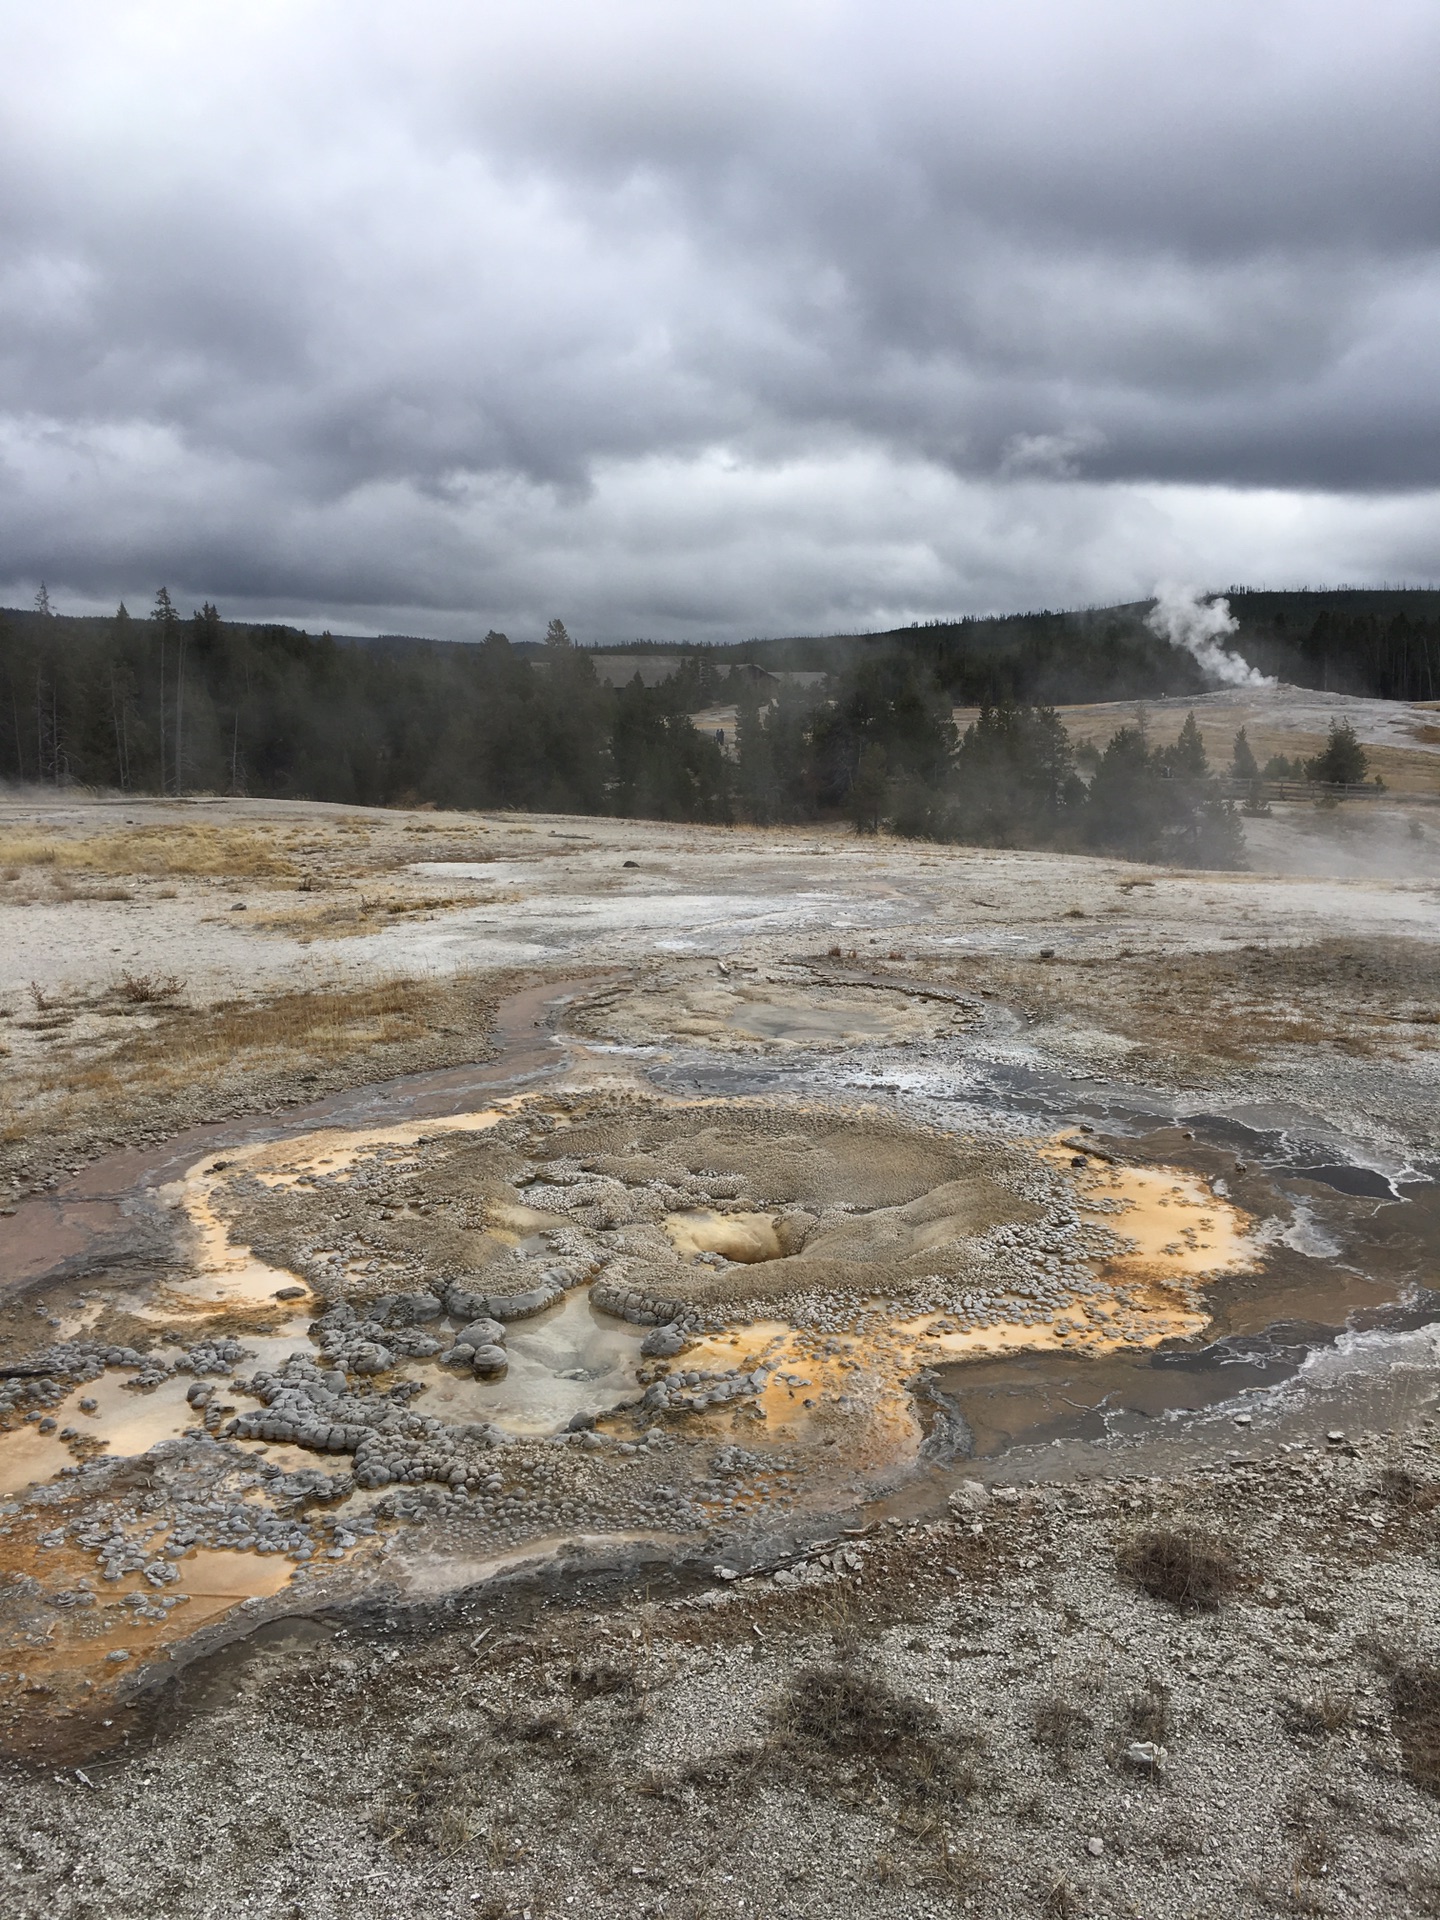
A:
976,1714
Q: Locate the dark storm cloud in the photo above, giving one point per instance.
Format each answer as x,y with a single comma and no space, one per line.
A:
715,320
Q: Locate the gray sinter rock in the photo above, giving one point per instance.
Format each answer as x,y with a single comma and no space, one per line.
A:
663,1343
481,1333
368,1356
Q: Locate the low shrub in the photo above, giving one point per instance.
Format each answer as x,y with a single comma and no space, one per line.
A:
1189,1568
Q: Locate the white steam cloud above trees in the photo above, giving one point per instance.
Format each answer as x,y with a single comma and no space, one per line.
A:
1184,616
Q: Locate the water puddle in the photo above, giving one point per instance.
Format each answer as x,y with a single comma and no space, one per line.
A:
568,1360
216,1580
116,1419
1324,1277
111,1417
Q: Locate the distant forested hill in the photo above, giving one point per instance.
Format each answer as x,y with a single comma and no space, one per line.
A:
851,727
1385,642
1381,642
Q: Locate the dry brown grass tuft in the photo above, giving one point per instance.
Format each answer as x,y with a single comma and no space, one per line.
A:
1191,1569
1061,1728
181,849
838,1729
149,989
1146,1715
594,1678
428,1808
318,1023
1408,1492
1415,1709
1325,1713
346,911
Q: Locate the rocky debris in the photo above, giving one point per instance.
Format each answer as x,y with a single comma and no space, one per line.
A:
406,1308
390,1444
693,1391
818,1565
51,1375
218,1356
41,1389
388,1441
208,1503
818,1570
388,1329
309,1483
489,1362
528,1301
641,1309
363,1357
479,1347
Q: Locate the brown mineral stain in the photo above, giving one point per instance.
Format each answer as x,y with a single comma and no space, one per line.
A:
851,1381
126,1421
63,1661
230,1275
1180,1229
216,1579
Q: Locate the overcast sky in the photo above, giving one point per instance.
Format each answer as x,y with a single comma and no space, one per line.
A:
709,321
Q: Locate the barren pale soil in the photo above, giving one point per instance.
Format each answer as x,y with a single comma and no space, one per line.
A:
578,1366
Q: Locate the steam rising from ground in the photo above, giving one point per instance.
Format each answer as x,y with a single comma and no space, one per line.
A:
1182,615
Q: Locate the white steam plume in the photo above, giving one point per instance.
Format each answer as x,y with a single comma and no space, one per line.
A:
1184,616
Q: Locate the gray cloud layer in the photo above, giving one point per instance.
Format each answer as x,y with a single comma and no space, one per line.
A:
715,321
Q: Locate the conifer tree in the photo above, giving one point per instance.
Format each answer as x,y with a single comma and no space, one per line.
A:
1243,764
1187,758
1343,762
167,623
